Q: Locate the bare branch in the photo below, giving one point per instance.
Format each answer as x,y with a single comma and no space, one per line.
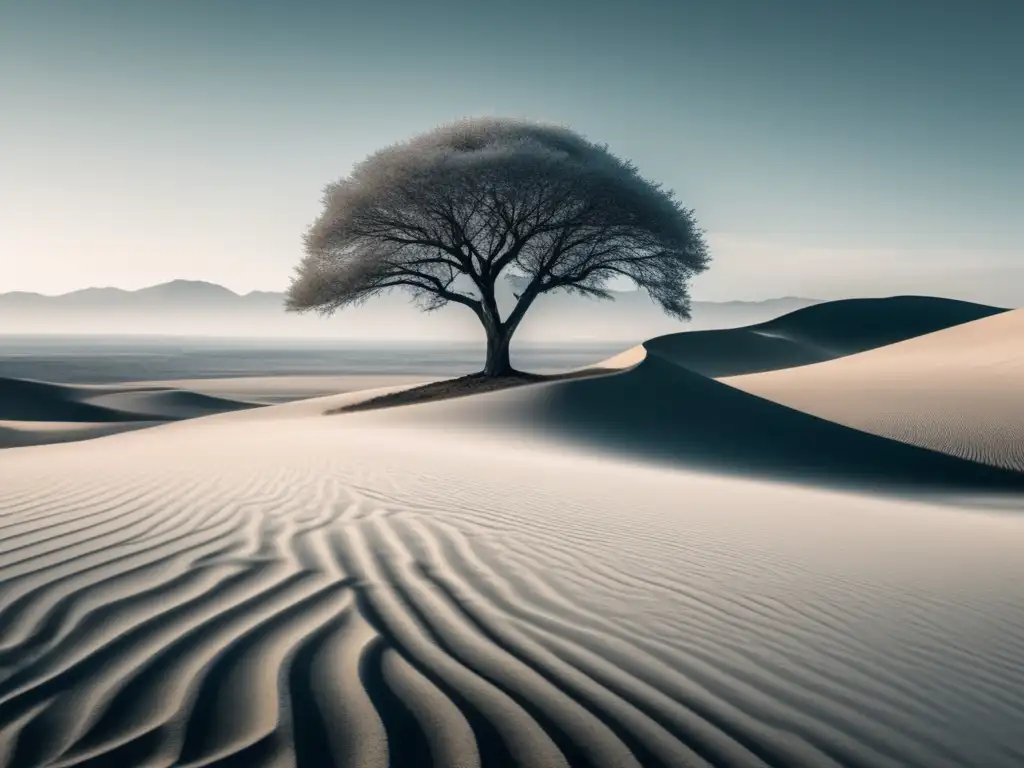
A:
476,198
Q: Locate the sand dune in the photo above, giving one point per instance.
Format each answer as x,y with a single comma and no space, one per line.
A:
37,412
568,573
815,334
16,434
280,389
42,401
252,589
658,410
960,390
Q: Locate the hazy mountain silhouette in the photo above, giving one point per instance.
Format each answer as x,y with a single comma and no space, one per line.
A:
189,307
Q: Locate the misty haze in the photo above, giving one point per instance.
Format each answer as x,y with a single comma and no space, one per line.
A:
197,308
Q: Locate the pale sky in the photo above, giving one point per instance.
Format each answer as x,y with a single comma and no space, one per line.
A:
829,149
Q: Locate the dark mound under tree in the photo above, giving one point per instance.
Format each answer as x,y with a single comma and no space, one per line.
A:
447,213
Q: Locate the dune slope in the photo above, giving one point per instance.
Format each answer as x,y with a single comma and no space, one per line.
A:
568,573
815,334
960,390
657,410
253,589
26,400
37,412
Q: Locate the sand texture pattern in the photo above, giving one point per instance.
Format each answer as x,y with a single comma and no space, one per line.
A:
646,567
235,591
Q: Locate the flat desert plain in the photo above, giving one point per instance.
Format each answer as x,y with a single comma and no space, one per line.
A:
816,565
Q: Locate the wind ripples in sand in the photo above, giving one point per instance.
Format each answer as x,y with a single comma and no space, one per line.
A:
395,605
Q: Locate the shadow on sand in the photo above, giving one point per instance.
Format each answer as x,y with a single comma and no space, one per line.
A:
815,334
661,411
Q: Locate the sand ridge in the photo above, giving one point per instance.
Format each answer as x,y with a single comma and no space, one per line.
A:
37,412
565,573
959,390
815,334
651,409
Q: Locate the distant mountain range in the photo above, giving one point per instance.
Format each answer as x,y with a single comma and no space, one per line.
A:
195,308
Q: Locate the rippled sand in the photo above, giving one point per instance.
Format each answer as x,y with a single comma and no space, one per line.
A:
293,592
567,573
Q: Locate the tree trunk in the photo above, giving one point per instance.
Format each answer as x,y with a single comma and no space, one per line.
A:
498,362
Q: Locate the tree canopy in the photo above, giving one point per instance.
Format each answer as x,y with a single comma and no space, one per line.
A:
446,213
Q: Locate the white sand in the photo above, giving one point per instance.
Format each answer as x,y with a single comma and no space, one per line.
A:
427,585
959,390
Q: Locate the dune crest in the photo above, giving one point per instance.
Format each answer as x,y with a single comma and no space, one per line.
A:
37,412
645,407
959,390
815,334
562,573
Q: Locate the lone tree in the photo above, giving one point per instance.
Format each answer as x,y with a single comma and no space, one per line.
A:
445,214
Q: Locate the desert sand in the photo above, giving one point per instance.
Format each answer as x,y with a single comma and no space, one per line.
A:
37,412
815,334
646,567
959,390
